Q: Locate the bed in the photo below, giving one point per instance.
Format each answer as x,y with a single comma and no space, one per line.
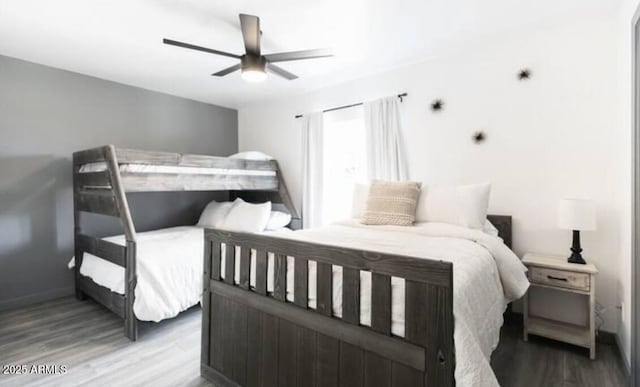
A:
357,305
103,176
169,271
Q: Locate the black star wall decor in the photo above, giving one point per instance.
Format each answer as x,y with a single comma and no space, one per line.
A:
437,105
524,74
479,137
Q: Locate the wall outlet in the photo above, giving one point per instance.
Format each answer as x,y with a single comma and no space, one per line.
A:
621,307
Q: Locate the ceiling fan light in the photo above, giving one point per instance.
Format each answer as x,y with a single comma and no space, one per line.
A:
254,75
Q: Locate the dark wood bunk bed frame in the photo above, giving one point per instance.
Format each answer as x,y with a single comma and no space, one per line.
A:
104,193
254,338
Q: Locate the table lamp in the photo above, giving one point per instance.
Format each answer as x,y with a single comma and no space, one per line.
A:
576,215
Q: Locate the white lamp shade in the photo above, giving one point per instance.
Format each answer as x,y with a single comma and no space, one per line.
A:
577,214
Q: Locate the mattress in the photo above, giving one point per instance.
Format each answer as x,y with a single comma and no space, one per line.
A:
146,168
169,268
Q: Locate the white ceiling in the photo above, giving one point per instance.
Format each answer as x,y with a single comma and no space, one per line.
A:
120,40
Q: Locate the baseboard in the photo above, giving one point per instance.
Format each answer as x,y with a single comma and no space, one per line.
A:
604,337
36,298
625,361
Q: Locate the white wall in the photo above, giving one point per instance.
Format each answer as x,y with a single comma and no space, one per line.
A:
554,136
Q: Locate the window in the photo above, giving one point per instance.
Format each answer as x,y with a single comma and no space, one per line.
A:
344,160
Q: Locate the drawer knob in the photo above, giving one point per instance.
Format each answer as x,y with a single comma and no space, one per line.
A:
556,278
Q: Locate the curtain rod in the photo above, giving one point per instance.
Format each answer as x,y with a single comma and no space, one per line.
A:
401,96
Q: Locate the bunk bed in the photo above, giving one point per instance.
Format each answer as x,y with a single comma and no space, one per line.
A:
103,176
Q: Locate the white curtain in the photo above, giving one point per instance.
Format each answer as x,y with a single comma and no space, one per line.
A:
312,170
385,153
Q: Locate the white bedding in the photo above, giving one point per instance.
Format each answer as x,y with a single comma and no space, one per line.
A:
487,275
169,268
146,168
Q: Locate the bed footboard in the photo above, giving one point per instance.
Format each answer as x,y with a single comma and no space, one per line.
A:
251,337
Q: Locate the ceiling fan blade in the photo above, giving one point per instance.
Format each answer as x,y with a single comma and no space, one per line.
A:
281,72
198,48
298,55
251,33
228,70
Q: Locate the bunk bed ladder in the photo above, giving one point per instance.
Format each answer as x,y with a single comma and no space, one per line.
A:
105,196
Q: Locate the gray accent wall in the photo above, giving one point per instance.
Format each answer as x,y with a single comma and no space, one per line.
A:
45,115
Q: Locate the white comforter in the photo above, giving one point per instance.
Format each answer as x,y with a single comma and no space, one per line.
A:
486,276
169,268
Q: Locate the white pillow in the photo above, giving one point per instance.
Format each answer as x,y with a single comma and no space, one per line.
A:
464,205
247,217
278,220
251,155
359,200
214,213
490,229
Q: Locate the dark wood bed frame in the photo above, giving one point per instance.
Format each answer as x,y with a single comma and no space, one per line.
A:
254,338
104,193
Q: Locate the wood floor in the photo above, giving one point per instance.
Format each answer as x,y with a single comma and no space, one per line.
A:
89,340
542,362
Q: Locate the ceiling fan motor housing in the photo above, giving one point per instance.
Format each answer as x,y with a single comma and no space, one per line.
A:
251,62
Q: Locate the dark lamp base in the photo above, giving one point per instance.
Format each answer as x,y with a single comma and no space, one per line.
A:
576,257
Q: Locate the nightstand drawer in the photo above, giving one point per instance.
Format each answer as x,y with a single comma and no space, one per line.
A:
559,278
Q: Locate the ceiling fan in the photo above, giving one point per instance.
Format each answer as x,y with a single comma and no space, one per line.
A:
253,64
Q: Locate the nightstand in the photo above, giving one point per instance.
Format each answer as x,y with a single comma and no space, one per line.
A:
554,272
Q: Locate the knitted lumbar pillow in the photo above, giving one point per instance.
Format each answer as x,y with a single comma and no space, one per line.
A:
392,203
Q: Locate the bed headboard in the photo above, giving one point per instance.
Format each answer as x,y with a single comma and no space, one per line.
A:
503,224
